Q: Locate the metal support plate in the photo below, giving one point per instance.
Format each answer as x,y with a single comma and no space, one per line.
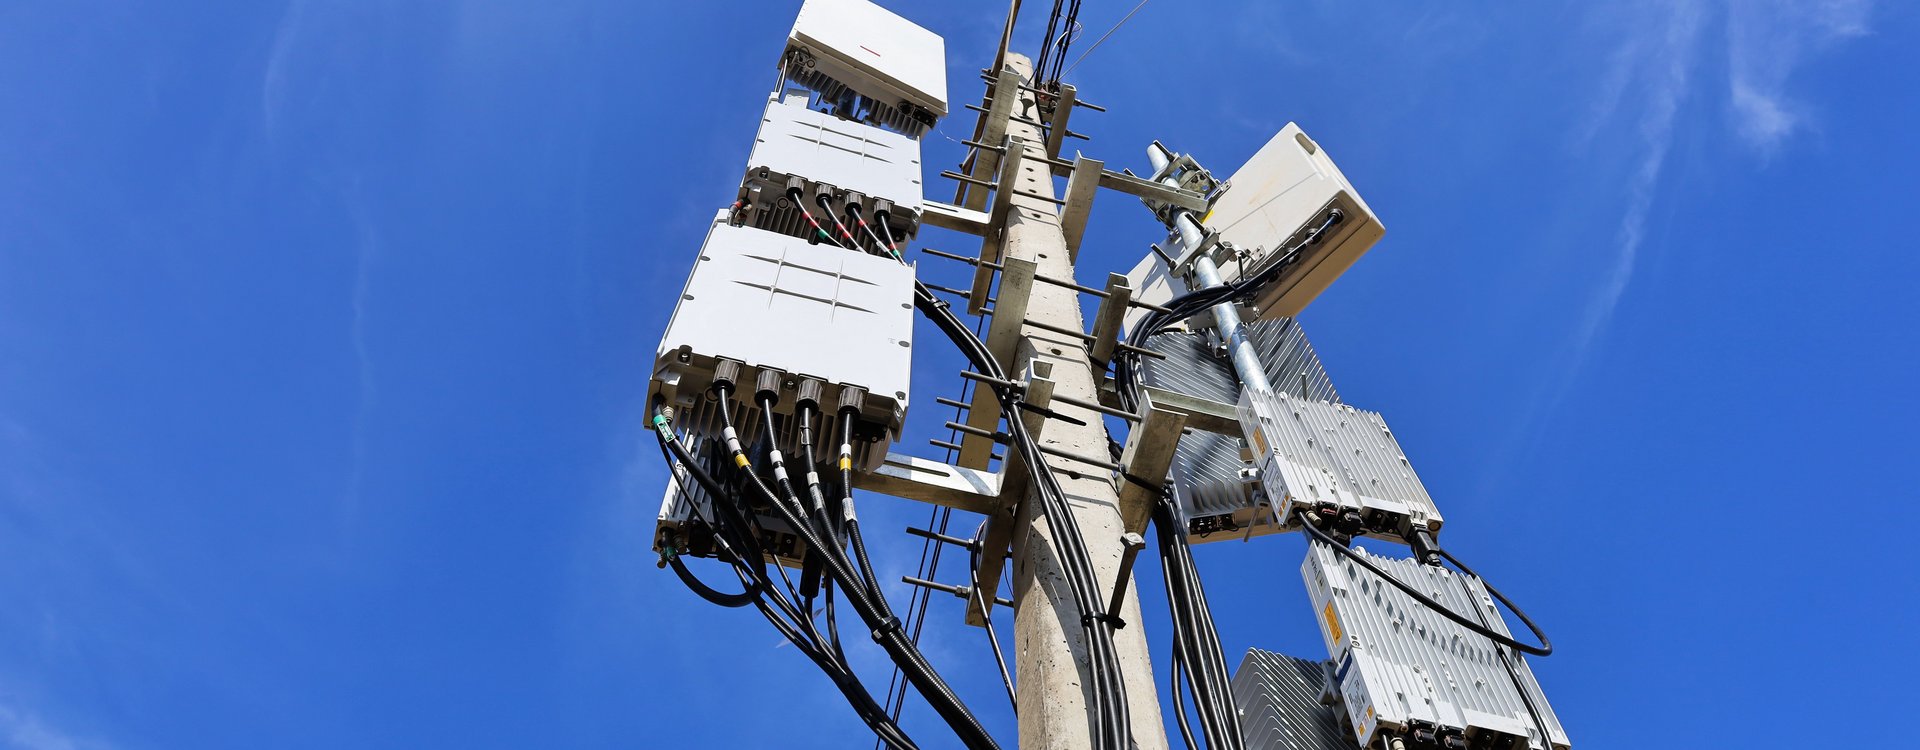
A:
949,216
990,128
1148,455
1202,414
998,534
1057,124
983,412
1082,184
929,481
1106,322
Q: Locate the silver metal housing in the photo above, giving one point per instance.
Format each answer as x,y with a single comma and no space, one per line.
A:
1272,202
1286,189
1398,664
1317,453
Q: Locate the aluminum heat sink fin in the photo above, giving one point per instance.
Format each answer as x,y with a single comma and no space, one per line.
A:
1215,502
1401,666
1279,698
1192,367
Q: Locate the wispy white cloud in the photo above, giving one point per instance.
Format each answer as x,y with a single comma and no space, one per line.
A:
1634,110
1651,76
1648,79
1663,74
1653,69
1766,42
273,80
365,249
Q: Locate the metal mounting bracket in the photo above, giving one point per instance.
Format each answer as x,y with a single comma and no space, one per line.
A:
1106,322
1082,183
993,244
997,536
1147,457
1205,415
929,481
1057,125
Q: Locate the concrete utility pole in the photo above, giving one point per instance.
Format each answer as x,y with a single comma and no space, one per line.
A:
1050,650
840,143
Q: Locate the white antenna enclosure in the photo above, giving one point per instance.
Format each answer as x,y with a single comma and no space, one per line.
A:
874,52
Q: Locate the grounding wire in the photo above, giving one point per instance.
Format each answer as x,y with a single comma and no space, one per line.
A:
1545,648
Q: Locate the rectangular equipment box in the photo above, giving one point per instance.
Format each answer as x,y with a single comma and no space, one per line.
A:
877,54
1272,201
846,163
1401,667
1313,453
815,316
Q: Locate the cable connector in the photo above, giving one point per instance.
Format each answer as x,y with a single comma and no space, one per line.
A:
809,394
726,372
766,387
1425,549
851,397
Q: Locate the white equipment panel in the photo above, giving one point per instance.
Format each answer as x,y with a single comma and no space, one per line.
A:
1272,201
1317,453
774,303
874,52
1401,668
795,141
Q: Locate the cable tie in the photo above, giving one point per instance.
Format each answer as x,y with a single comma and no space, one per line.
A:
1087,620
887,627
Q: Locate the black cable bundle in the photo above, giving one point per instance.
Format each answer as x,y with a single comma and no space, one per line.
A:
737,536
1196,644
1111,725
1061,24
1112,729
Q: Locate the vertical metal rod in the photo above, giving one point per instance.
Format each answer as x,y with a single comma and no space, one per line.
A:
1226,318
1226,315
1131,544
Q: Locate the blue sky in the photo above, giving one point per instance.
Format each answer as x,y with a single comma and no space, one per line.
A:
325,326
